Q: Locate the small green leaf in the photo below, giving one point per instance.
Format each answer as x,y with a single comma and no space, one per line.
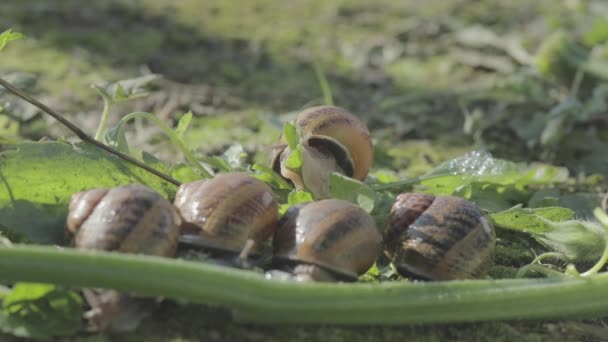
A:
346,188
294,160
41,311
183,124
297,196
8,36
291,135
269,176
125,90
115,138
217,162
577,240
552,227
119,93
529,220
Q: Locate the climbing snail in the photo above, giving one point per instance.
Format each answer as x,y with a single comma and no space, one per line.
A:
327,240
438,238
331,140
127,219
234,211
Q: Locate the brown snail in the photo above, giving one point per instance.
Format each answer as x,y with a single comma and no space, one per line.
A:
127,219
234,211
331,140
438,238
327,240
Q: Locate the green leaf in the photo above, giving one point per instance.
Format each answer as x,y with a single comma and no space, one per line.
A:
217,162
577,240
598,32
294,160
125,90
346,188
530,220
552,227
41,311
184,173
495,184
269,176
297,196
183,124
37,181
115,138
8,36
291,135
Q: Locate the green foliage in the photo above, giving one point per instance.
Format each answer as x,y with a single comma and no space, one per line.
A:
183,124
494,184
298,196
38,179
294,159
349,189
269,176
553,227
8,36
40,311
530,220
291,135
126,90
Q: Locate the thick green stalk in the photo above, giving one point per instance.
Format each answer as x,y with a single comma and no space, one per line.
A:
256,299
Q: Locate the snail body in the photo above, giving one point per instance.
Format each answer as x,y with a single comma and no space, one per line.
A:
438,238
331,140
126,219
326,240
234,211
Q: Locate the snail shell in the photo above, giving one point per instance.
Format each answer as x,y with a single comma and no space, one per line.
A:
229,212
336,236
128,219
438,238
332,140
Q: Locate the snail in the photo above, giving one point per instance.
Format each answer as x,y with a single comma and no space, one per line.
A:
438,238
234,212
327,240
127,219
331,140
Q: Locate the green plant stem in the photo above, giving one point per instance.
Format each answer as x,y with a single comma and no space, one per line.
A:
601,216
81,134
325,88
175,139
105,115
256,299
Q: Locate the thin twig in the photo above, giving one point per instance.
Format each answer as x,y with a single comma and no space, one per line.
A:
82,135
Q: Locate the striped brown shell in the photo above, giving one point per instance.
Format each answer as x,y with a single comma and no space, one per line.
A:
228,211
438,238
129,219
333,234
332,140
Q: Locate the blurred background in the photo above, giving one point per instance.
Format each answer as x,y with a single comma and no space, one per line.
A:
525,80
